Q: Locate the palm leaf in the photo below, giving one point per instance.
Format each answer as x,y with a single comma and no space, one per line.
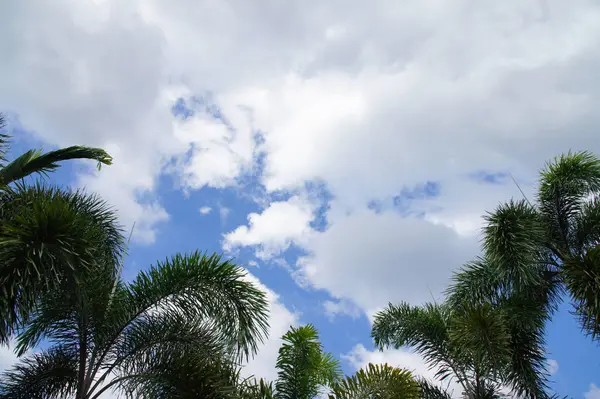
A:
431,391
378,381
34,161
50,374
582,279
565,184
423,329
206,287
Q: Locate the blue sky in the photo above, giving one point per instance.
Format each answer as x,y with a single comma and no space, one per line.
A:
346,151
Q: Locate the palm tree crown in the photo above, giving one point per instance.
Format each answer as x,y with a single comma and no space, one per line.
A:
545,248
188,319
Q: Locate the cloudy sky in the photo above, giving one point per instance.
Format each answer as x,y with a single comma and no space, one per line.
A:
344,151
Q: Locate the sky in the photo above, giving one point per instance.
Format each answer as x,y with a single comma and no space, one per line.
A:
343,151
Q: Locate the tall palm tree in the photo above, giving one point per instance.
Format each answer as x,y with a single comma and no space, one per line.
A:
304,368
551,245
34,161
473,345
378,381
189,319
49,237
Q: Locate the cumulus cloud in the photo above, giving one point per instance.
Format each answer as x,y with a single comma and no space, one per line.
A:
275,229
372,259
337,308
593,393
413,92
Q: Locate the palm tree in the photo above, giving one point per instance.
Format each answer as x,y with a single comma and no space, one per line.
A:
378,381
49,237
550,246
304,368
187,320
473,345
34,161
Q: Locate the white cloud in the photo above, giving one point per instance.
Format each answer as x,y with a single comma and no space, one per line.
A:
337,308
275,229
372,259
205,210
552,366
7,357
370,107
593,393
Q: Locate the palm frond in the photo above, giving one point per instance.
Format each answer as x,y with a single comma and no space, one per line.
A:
512,240
481,333
378,381
34,161
423,329
525,315
475,283
50,374
582,279
208,287
251,388
168,374
431,391
303,365
565,184
586,233
49,237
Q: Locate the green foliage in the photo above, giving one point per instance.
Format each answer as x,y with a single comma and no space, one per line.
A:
533,252
34,161
303,365
425,329
256,389
50,374
176,331
431,391
378,381
482,345
49,238
582,280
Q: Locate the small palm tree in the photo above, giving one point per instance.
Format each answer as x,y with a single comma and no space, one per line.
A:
34,161
178,330
378,381
304,368
474,345
549,246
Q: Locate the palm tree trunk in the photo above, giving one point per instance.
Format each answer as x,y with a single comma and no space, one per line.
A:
81,383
